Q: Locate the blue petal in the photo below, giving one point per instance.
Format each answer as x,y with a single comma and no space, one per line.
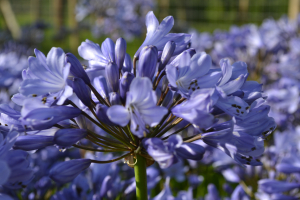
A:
182,41
66,93
119,115
238,68
40,71
164,27
172,76
234,85
91,51
184,66
152,116
101,86
174,141
200,64
233,106
41,57
209,80
151,23
82,91
108,49
38,87
156,36
76,68
190,151
43,118
101,111
226,70
140,88
56,61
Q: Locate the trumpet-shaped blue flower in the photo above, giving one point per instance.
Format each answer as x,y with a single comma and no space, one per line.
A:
140,108
66,171
192,73
242,147
68,137
47,75
158,34
100,57
256,122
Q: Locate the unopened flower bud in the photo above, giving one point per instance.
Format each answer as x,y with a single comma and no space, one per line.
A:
114,98
127,65
76,68
112,75
124,85
120,51
33,142
66,171
166,54
82,91
68,137
101,86
101,114
148,61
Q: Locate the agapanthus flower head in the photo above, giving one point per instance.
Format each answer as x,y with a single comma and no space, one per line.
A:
140,108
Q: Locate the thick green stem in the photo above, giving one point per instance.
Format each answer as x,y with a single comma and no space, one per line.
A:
141,178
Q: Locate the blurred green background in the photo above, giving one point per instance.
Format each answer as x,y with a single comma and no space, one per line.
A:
203,15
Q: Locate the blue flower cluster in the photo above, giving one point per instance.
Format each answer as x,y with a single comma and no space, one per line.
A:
251,43
114,18
169,104
13,59
272,52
